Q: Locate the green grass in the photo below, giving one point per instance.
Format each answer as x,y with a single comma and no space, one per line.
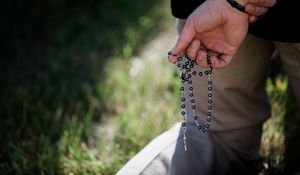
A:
53,67
140,114
73,100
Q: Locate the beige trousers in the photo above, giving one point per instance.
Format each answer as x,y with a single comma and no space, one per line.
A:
240,106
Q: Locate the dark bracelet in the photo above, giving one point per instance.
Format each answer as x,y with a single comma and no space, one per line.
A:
236,5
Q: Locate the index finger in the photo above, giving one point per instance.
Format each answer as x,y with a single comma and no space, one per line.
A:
186,36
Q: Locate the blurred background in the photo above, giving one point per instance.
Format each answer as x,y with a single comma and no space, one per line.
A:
84,85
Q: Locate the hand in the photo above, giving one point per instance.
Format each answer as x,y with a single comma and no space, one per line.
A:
215,26
257,8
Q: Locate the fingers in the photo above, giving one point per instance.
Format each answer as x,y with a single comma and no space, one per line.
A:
263,3
193,49
172,58
211,53
255,10
186,36
201,58
219,62
252,19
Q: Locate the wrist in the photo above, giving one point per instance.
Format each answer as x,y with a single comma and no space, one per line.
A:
237,5
242,2
224,7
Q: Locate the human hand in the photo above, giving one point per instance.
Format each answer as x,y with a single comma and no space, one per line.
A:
215,26
257,8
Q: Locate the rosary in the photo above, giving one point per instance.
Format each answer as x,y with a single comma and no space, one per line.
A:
186,66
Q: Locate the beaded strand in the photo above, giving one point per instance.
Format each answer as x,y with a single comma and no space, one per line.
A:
186,73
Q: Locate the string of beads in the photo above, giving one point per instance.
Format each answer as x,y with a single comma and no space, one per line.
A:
186,66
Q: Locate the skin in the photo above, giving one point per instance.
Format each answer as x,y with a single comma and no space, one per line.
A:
216,29
257,8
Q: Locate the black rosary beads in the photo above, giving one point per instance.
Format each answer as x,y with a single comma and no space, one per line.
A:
186,66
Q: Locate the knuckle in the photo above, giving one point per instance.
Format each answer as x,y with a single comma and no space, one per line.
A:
249,8
257,10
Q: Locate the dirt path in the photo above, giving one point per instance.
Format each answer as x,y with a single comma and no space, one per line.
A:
153,53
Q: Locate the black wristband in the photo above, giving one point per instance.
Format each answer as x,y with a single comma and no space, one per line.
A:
236,5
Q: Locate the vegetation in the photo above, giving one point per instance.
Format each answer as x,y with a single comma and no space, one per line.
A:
76,99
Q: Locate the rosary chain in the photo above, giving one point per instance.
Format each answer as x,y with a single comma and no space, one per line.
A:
186,74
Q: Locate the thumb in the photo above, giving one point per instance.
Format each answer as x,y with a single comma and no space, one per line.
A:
185,37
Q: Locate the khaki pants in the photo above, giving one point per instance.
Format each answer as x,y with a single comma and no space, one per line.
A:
240,106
